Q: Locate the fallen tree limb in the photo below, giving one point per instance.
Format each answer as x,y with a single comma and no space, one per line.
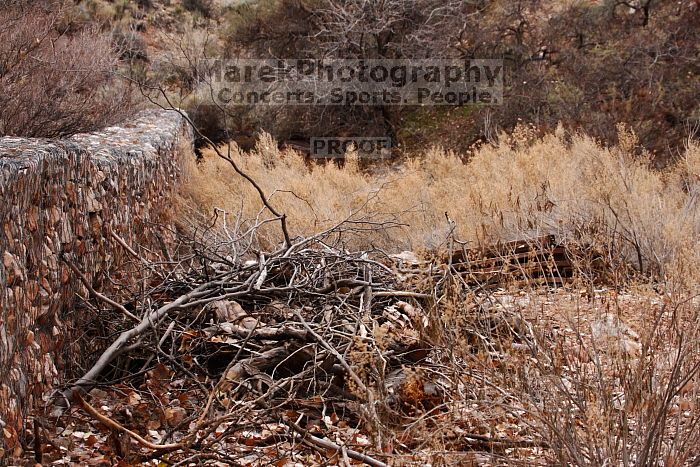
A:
327,444
88,380
265,360
105,420
400,293
507,442
265,333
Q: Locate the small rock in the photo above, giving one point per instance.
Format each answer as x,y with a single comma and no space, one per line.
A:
226,310
12,268
92,204
620,337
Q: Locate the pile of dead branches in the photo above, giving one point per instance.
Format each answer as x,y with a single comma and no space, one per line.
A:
269,345
225,353
236,356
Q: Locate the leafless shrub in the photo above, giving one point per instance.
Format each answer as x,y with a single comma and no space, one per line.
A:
564,184
203,7
55,83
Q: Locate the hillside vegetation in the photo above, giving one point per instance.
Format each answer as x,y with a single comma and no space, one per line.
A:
588,65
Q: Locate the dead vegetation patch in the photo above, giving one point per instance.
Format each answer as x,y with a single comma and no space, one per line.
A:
253,343
318,355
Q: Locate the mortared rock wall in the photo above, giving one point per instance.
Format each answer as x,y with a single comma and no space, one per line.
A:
64,197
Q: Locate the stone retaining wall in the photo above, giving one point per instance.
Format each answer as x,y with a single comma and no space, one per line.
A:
63,197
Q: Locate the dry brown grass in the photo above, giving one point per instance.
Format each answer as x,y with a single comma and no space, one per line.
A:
524,186
595,376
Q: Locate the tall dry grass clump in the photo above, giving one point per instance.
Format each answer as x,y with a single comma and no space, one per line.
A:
568,185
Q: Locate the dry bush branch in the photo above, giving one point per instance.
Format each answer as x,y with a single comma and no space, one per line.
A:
56,82
116,426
